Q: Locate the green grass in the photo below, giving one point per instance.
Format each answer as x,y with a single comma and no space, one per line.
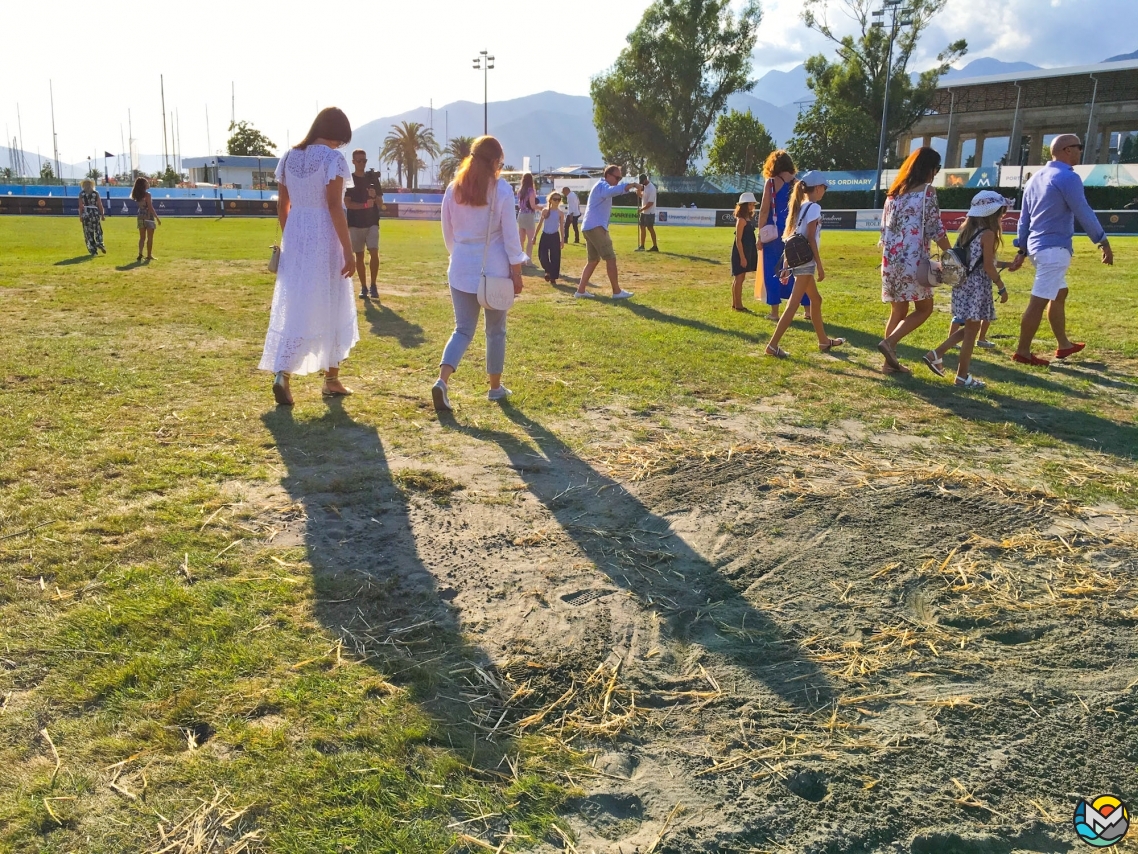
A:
130,407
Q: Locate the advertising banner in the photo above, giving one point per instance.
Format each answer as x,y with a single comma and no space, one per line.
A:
1116,222
985,176
420,210
627,216
32,205
725,219
953,220
839,219
389,210
686,216
860,180
868,221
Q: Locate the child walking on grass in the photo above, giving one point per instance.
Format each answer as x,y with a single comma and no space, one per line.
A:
805,217
972,299
551,227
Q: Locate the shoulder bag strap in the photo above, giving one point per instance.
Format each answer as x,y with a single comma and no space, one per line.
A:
770,211
489,226
802,216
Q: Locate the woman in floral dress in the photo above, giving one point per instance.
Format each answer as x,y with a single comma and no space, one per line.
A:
910,220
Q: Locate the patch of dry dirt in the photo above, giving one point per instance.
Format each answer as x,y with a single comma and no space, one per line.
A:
797,647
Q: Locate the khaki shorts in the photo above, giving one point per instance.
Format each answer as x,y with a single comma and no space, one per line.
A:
598,244
362,237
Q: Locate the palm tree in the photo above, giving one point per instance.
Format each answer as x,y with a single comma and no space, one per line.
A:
402,147
457,150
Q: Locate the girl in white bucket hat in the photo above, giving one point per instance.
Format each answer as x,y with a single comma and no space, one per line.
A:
744,251
980,238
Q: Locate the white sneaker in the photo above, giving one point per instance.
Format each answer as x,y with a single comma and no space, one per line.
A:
622,295
985,344
638,249
499,393
439,396
583,295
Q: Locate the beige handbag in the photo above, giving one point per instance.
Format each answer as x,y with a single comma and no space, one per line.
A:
275,248
494,292
769,232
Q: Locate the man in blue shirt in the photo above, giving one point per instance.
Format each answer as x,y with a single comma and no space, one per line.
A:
1052,201
596,230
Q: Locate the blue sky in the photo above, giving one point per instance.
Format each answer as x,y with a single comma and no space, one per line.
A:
376,59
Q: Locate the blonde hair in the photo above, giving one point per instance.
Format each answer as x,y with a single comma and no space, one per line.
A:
87,184
993,222
550,199
798,195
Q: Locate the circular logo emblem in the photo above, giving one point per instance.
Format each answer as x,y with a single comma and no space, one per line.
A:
1114,218
42,203
1102,822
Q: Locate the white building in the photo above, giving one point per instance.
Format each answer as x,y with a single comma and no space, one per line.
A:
231,170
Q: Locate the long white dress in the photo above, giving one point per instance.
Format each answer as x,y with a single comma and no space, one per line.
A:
312,325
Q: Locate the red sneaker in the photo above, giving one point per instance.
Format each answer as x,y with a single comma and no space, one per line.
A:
1069,351
1030,360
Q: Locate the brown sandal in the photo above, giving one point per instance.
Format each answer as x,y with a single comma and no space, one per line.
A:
831,344
281,392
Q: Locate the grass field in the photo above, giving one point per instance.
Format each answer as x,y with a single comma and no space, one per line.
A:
222,618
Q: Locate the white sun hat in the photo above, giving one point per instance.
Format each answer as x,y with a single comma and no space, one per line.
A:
987,202
748,197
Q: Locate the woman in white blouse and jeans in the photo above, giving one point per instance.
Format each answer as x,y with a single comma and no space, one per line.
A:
475,201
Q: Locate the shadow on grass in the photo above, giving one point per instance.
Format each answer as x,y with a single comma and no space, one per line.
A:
655,315
1071,426
385,323
371,587
702,259
131,266
690,594
78,259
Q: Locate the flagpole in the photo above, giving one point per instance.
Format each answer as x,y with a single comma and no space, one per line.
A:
165,149
54,138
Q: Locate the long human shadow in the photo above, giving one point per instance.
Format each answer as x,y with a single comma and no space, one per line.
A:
656,316
372,589
607,524
133,265
385,323
78,259
1072,426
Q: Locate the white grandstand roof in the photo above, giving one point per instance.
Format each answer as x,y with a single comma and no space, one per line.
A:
1041,74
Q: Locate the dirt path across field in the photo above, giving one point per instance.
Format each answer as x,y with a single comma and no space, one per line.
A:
803,644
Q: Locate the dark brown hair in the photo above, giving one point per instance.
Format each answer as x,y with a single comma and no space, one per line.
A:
472,183
748,206
778,161
527,184
141,185
918,168
330,123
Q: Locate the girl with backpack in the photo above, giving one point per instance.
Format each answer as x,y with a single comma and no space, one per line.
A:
976,247
802,259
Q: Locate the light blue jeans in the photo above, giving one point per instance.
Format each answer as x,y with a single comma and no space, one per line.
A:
466,310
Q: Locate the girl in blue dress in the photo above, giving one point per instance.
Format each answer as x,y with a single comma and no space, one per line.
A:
779,172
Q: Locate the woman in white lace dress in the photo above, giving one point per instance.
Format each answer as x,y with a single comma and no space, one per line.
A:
313,326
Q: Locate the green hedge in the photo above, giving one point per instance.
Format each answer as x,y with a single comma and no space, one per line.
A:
950,198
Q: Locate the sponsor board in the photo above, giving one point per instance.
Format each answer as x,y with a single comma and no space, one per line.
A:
954,220
867,220
1115,222
420,210
839,219
699,217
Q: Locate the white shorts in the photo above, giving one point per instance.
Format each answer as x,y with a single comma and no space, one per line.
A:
1051,265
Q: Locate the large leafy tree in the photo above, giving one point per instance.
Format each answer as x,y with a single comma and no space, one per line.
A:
683,60
244,139
740,145
856,79
834,136
402,147
457,150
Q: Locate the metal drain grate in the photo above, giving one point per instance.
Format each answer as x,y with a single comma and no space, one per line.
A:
583,597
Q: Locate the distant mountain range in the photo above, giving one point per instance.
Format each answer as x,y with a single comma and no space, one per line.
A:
559,128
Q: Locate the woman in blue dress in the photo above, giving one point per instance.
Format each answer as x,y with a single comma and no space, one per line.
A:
779,172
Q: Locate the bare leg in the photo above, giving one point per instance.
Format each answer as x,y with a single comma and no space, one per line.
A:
150,242
816,311
587,274
652,231
610,268
374,266
332,380
969,333
495,380
898,311
921,311
790,310
361,270
1029,324
641,243
141,241
444,372
737,292
954,338
1057,317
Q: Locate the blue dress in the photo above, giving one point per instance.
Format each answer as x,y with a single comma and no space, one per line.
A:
772,252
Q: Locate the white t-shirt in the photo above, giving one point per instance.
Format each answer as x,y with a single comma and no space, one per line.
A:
649,195
807,216
573,204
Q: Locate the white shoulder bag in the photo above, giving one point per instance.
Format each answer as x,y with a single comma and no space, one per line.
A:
494,292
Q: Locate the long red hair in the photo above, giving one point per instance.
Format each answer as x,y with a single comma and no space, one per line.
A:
478,169
920,167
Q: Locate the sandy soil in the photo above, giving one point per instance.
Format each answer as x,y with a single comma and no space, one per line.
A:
804,646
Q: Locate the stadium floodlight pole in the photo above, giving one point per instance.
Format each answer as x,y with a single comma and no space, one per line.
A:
484,63
899,17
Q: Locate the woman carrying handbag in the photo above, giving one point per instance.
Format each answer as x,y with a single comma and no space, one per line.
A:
481,236
779,172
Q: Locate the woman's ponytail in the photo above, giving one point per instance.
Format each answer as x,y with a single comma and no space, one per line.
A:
797,197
